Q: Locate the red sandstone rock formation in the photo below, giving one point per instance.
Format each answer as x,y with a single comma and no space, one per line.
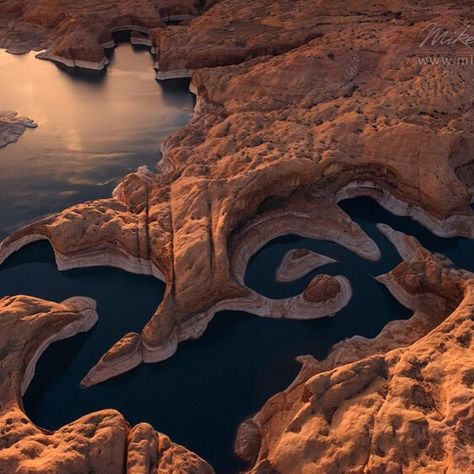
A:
274,144
402,402
299,105
100,442
76,33
322,288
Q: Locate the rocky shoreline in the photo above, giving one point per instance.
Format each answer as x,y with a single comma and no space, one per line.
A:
12,127
389,390
294,114
98,442
131,350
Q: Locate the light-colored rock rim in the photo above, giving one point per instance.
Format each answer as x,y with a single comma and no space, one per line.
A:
259,437
293,268
102,441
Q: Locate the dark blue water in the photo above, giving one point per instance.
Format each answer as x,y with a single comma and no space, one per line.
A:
199,396
94,129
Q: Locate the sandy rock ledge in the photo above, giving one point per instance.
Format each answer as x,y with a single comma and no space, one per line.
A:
400,403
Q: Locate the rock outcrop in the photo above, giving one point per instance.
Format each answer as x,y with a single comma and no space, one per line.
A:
12,127
299,262
300,104
76,33
322,288
276,141
99,442
402,402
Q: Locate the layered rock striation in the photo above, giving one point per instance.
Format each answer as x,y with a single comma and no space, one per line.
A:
276,142
300,104
299,262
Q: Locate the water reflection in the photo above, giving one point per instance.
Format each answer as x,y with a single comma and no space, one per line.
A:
93,129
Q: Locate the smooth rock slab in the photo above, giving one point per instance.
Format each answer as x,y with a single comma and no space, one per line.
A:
299,262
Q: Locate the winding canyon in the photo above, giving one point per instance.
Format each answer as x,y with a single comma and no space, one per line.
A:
300,105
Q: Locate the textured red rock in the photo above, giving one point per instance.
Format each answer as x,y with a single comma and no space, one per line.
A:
402,402
299,104
97,442
76,33
275,143
322,288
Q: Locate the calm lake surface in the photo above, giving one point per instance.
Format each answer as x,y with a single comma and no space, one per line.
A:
199,396
93,129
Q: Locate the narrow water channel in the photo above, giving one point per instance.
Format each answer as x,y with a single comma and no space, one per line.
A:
93,130
199,396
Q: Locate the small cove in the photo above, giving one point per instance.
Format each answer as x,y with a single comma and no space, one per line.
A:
93,130
199,396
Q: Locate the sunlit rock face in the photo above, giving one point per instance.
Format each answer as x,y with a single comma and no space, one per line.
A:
322,288
299,105
98,442
12,127
274,144
75,33
403,402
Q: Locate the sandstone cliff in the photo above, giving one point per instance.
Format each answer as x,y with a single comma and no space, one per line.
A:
101,442
300,104
275,143
402,402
